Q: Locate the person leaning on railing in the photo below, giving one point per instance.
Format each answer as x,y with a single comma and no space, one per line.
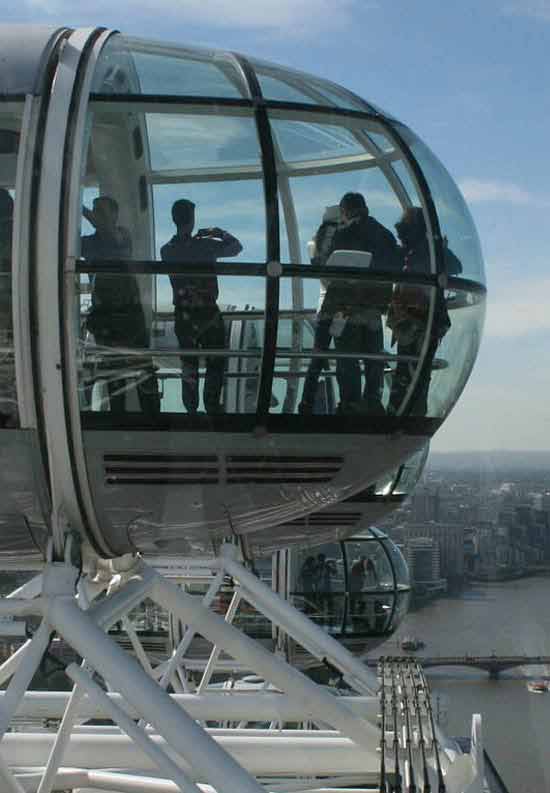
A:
116,317
360,305
408,313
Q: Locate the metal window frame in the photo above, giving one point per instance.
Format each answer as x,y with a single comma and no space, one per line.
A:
52,359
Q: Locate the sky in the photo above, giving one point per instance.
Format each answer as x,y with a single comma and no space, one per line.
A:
472,79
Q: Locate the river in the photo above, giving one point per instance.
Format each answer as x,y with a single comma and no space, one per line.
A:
508,618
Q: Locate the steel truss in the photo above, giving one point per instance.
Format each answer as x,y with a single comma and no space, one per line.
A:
286,733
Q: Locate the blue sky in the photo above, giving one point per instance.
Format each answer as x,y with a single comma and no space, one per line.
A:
472,79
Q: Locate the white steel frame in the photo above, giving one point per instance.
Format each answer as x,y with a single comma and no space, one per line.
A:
334,741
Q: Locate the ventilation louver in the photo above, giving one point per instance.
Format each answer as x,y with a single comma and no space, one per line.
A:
327,519
281,469
161,469
165,469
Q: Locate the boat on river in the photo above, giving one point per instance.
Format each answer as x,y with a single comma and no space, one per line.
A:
538,686
412,643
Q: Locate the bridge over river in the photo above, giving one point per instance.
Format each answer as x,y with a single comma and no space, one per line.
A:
493,664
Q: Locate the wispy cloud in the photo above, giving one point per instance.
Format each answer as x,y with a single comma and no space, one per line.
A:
478,191
536,9
302,18
518,308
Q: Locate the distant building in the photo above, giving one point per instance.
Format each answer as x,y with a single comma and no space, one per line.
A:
449,540
423,558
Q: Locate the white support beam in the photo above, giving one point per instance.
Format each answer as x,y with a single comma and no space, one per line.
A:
125,675
236,705
26,668
136,733
301,628
260,756
317,704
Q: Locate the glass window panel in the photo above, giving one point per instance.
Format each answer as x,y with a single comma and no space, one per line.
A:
278,90
183,141
287,85
369,574
236,207
399,564
381,140
455,219
370,564
149,362
404,174
369,613
229,225
305,141
410,472
401,609
312,195
456,354
146,161
129,65
357,376
10,127
319,585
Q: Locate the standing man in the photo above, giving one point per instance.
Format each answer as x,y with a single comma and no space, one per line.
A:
360,305
116,317
198,321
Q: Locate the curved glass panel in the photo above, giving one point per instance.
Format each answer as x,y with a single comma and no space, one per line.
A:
176,365
457,226
400,568
10,127
281,84
409,473
318,590
135,66
340,357
457,352
177,342
320,158
371,587
148,159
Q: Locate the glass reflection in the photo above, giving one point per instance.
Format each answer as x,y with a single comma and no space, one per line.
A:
116,318
278,83
129,65
457,226
350,374
10,125
115,371
357,587
370,343
320,585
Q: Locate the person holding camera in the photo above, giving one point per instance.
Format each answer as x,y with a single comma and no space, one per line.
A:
198,321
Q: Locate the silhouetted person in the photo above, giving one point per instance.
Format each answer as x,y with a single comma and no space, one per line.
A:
307,576
408,314
324,573
356,583
359,306
198,321
116,317
322,338
8,396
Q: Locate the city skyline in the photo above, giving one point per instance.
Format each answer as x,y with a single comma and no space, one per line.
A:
471,81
